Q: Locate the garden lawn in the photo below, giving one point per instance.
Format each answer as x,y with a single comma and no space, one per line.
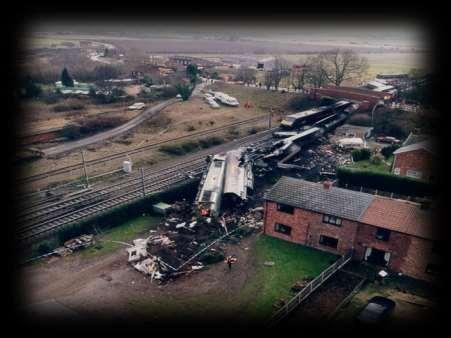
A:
292,261
383,167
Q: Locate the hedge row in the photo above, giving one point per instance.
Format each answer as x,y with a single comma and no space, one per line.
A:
385,182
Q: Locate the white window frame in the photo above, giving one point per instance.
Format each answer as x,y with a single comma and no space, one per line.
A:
397,171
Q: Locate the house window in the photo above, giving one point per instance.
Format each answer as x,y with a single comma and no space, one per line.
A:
397,171
433,269
288,209
413,174
328,241
283,229
332,220
383,234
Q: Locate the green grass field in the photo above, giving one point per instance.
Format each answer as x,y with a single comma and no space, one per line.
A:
126,232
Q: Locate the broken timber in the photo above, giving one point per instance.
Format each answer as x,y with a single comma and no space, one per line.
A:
309,288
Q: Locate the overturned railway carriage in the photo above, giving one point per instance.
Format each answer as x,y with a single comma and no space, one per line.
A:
229,179
313,115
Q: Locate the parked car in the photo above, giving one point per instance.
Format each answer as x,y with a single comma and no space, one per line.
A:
377,310
387,139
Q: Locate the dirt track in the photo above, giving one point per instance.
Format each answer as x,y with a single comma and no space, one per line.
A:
108,287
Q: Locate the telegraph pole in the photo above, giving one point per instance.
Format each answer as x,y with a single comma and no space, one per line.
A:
84,169
142,181
269,118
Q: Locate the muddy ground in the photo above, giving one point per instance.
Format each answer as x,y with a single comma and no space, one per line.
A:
108,287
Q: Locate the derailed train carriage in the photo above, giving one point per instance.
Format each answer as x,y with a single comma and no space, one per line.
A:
312,116
229,180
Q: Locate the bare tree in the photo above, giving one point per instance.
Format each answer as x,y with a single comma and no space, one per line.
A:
343,65
247,75
299,77
315,71
268,80
281,69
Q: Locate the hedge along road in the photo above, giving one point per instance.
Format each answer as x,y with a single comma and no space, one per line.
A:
146,114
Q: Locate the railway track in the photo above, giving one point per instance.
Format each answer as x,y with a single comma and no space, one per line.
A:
70,168
40,220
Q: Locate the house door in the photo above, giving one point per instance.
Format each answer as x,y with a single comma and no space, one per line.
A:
377,257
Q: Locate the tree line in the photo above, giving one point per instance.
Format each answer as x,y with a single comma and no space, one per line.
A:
329,67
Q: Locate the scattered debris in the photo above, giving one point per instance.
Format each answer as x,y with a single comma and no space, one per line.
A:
75,244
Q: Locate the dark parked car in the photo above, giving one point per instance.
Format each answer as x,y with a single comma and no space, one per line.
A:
387,139
377,309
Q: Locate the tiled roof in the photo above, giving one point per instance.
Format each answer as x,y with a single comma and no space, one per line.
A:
415,138
388,213
401,216
313,196
426,145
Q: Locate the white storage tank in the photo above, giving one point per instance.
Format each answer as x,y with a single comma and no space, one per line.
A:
127,166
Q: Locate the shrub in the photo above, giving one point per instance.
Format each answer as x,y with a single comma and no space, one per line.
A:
360,120
253,130
301,102
184,90
210,141
388,151
171,149
384,181
99,124
167,92
233,132
66,107
361,154
376,159
71,131
44,248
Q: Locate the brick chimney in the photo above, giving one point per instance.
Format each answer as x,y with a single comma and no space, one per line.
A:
327,184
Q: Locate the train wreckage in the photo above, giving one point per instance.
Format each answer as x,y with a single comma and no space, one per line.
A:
191,237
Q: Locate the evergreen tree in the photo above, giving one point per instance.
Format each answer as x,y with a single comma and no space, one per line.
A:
66,79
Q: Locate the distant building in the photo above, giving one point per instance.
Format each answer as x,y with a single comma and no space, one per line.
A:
415,160
350,130
266,63
394,234
354,94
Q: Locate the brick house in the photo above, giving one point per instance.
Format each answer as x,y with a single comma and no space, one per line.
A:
415,160
386,232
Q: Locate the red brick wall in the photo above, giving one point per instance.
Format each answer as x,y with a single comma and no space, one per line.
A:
408,254
418,160
298,223
307,227
397,245
419,255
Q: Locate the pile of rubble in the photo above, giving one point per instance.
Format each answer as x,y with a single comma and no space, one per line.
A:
321,161
183,242
75,244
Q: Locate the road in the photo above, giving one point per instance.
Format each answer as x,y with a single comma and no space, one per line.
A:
146,114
